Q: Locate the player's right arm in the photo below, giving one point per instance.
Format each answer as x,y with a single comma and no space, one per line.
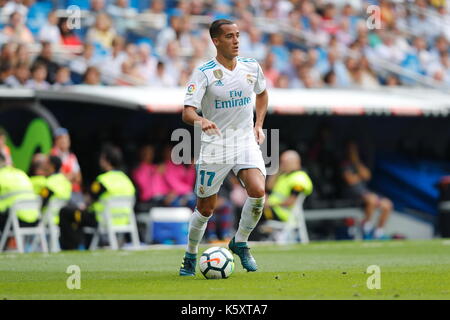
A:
191,117
195,91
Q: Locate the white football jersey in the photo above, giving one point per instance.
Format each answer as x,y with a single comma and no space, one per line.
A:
227,98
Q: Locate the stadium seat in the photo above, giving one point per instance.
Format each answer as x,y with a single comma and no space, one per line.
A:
168,225
37,16
13,228
83,4
107,228
292,231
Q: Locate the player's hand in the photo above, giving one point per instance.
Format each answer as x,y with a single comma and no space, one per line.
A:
210,128
259,135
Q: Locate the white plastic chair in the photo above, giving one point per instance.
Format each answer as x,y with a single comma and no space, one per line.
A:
52,229
294,229
13,228
107,228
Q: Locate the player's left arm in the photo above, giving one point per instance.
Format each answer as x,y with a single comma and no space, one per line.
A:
261,104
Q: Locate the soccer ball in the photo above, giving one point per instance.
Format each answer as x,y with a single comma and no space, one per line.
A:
216,263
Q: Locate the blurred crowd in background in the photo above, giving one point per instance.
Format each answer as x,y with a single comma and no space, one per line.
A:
299,43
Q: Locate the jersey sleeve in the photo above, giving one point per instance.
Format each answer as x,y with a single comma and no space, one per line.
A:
260,84
196,89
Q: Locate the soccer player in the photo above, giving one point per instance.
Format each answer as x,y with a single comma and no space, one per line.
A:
223,88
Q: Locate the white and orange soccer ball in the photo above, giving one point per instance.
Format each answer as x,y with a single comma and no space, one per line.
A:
216,263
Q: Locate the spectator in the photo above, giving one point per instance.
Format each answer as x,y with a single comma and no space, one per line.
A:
255,48
178,30
130,74
329,23
67,35
111,66
356,177
162,78
38,77
4,149
80,64
96,7
270,72
392,80
46,58
330,79
50,32
277,47
7,53
123,16
22,55
62,78
181,180
314,34
172,60
146,62
6,70
19,77
12,6
70,167
388,50
157,12
149,179
102,32
17,31
92,77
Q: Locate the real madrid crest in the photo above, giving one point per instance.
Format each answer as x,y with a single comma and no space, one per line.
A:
218,74
250,79
201,189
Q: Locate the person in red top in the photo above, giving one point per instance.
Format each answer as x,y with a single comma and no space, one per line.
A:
68,37
70,167
4,149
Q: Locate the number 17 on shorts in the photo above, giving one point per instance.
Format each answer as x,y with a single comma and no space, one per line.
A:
209,178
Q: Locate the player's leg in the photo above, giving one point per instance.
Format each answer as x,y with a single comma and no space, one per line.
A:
197,226
208,181
254,182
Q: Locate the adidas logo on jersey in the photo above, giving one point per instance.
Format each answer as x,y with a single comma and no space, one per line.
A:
219,83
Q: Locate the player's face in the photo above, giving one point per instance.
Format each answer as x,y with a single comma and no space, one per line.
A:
228,42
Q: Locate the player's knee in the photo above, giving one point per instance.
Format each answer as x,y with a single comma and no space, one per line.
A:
256,192
205,211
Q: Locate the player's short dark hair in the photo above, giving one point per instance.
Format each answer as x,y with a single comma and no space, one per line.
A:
112,155
215,29
56,162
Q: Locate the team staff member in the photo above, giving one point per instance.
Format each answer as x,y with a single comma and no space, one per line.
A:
4,148
285,187
56,184
70,166
111,183
15,185
224,90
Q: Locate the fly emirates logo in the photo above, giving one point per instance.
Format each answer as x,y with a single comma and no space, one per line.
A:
236,100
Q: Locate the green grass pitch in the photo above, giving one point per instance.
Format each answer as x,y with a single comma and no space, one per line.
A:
321,270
